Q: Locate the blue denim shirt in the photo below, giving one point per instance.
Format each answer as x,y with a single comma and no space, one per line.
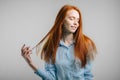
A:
66,67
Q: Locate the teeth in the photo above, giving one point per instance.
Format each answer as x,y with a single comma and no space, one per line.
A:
73,27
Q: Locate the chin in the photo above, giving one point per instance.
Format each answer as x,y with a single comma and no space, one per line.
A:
71,31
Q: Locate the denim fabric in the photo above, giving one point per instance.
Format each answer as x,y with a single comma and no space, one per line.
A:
66,67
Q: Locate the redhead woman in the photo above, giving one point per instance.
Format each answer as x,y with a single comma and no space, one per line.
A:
67,52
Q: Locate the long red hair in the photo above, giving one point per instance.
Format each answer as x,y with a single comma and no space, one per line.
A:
83,44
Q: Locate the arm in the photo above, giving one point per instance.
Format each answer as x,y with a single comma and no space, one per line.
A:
49,73
25,52
88,74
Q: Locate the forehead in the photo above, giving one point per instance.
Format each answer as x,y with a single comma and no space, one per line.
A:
73,13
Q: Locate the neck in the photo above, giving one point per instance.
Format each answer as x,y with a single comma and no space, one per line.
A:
67,38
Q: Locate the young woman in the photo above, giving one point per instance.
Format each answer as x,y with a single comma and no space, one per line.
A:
67,52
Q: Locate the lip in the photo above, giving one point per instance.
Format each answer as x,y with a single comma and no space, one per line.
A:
73,27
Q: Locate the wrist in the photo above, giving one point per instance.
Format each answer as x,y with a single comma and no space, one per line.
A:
32,66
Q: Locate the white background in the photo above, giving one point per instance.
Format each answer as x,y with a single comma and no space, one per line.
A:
27,21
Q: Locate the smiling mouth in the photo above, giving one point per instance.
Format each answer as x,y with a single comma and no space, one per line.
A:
73,27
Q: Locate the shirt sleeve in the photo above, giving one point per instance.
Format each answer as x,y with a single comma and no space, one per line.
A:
88,74
49,73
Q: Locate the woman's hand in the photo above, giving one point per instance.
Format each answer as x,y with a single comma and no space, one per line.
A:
25,52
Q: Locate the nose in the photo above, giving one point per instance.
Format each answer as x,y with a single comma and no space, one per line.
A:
75,23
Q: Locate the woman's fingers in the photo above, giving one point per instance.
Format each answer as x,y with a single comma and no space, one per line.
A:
22,48
25,50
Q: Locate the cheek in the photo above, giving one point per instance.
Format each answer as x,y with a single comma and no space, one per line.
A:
78,26
67,23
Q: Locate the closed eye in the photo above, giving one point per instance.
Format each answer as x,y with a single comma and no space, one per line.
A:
71,18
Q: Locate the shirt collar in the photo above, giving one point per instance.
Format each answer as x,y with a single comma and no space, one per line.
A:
61,43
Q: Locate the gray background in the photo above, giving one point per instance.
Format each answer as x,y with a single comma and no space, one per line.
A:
27,21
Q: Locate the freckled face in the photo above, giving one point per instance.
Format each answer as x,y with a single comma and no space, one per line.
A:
71,21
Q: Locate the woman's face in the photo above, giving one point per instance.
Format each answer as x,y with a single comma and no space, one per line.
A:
71,21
